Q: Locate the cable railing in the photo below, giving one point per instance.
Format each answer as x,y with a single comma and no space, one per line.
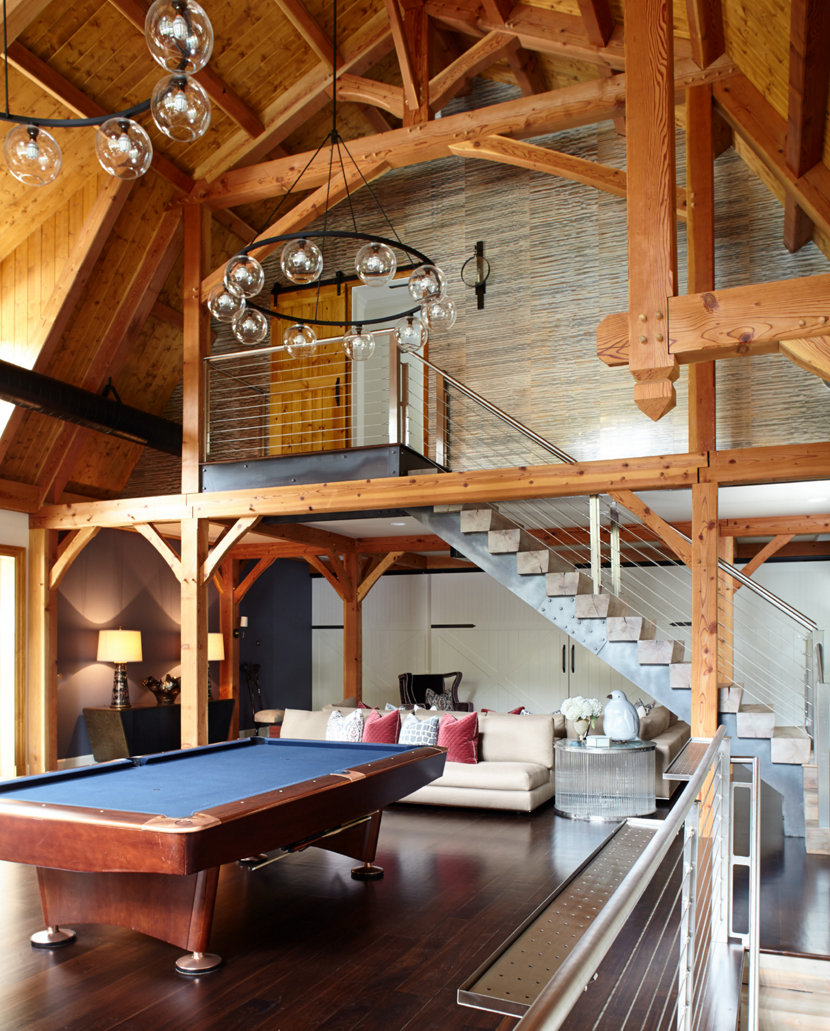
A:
264,403
688,911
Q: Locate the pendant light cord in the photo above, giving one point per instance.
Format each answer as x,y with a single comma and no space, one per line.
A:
5,57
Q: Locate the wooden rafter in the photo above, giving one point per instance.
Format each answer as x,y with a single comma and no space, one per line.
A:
308,536
216,88
481,55
809,76
528,72
406,61
368,91
705,30
308,28
598,21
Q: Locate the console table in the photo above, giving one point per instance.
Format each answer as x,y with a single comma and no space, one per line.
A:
604,780
144,729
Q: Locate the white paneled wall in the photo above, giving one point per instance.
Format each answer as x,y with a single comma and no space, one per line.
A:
510,655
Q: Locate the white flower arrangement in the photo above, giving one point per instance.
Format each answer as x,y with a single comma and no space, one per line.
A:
579,708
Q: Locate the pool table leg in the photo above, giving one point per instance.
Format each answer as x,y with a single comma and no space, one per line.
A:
360,841
174,908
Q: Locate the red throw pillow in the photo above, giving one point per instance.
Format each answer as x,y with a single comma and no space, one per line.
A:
382,730
460,738
517,712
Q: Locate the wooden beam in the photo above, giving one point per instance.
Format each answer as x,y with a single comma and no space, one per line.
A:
68,550
376,572
42,690
785,464
598,21
252,577
217,553
238,226
528,72
299,533
71,284
352,634
369,91
162,546
405,58
767,551
228,624
308,29
760,526
652,242
705,30
416,27
809,76
194,629
665,531
325,569
194,342
704,701
482,54
726,612
700,254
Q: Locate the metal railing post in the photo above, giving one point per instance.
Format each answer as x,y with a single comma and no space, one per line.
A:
688,914
821,750
616,585
395,415
596,543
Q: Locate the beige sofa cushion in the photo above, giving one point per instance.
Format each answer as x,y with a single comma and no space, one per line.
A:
505,738
655,722
307,724
494,776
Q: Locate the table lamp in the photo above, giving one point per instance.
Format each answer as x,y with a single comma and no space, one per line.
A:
216,653
120,647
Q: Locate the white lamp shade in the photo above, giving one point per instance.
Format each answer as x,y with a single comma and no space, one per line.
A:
216,647
119,646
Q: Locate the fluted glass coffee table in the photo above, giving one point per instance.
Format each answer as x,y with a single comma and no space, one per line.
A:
602,779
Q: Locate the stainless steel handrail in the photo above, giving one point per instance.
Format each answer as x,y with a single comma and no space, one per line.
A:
559,996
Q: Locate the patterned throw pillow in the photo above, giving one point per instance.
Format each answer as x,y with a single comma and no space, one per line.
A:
345,728
460,738
382,730
419,732
437,700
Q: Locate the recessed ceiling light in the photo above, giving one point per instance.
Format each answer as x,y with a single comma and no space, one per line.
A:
397,522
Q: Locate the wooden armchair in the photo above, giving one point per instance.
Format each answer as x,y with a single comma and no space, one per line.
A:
414,687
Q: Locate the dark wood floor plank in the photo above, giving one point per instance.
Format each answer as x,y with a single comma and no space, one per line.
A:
309,949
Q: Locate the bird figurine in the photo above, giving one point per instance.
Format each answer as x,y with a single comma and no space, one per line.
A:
620,721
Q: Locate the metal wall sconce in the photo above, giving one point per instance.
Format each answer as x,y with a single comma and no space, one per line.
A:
475,272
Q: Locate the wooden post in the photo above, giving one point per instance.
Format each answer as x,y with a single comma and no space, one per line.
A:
704,702
194,343
352,632
726,615
228,622
42,701
194,634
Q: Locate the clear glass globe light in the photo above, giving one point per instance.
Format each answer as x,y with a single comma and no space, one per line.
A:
375,263
180,108
300,341
440,314
223,304
244,275
426,283
32,155
250,326
301,261
358,345
123,148
410,333
179,35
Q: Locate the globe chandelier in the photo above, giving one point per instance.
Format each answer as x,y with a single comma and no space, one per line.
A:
376,261
180,38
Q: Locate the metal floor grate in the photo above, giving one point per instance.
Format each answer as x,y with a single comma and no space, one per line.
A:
687,760
512,978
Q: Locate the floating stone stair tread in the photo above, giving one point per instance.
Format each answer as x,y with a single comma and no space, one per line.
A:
660,652
680,675
755,721
730,697
598,606
482,520
534,562
568,585
502,542
790,745
629,628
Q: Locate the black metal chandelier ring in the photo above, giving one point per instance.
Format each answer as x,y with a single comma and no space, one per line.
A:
72,123
275,313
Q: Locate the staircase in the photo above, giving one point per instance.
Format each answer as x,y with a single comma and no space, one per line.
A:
793,993
630,643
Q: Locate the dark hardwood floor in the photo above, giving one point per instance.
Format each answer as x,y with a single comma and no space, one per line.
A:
306,947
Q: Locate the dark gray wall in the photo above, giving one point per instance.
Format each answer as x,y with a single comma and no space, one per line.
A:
120,580
278,637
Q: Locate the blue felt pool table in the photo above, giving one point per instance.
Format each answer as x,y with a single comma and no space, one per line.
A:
138,842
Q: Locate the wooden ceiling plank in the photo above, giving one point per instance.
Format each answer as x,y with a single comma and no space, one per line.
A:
652,243
166,313
71,284
215,87
598,21
482,54
308,28
20,14
368,91
705,19
406,61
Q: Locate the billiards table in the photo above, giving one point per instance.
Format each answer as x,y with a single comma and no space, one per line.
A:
138,843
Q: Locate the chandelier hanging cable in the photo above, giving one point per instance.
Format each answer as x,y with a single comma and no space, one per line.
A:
180,38
302,261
